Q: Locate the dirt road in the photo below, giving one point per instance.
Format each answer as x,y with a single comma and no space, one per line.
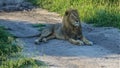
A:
105,53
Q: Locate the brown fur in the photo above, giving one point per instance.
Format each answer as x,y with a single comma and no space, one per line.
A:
70,30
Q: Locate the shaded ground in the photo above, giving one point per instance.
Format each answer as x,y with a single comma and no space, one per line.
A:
60,53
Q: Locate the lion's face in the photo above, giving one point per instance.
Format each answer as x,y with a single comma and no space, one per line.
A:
73,17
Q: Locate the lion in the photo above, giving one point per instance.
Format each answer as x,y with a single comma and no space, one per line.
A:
70,29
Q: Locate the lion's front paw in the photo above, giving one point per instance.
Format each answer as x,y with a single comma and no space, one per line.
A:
37,42
80,42
44,40
89,43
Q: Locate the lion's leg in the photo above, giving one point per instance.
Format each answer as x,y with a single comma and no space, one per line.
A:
76,42
44,34
47,38
60,37
86,41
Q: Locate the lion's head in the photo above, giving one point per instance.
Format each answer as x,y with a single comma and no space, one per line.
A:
71,23
71,18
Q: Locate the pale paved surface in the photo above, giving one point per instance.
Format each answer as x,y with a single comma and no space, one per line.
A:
60,53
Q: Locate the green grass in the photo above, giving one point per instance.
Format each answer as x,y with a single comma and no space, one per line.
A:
9,53
23,63
99,12
7,48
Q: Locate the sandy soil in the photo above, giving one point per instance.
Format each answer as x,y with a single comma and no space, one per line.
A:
105,53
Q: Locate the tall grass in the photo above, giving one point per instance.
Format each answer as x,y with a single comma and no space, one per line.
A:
98,12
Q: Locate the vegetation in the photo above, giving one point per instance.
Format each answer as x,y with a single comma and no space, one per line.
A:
98,12
9,50
7,47
23,63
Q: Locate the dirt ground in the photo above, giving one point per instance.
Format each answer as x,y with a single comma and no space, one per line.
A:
104,53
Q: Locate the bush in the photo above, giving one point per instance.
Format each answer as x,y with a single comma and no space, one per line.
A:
98,12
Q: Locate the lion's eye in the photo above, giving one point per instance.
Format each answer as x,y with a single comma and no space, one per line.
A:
77,20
